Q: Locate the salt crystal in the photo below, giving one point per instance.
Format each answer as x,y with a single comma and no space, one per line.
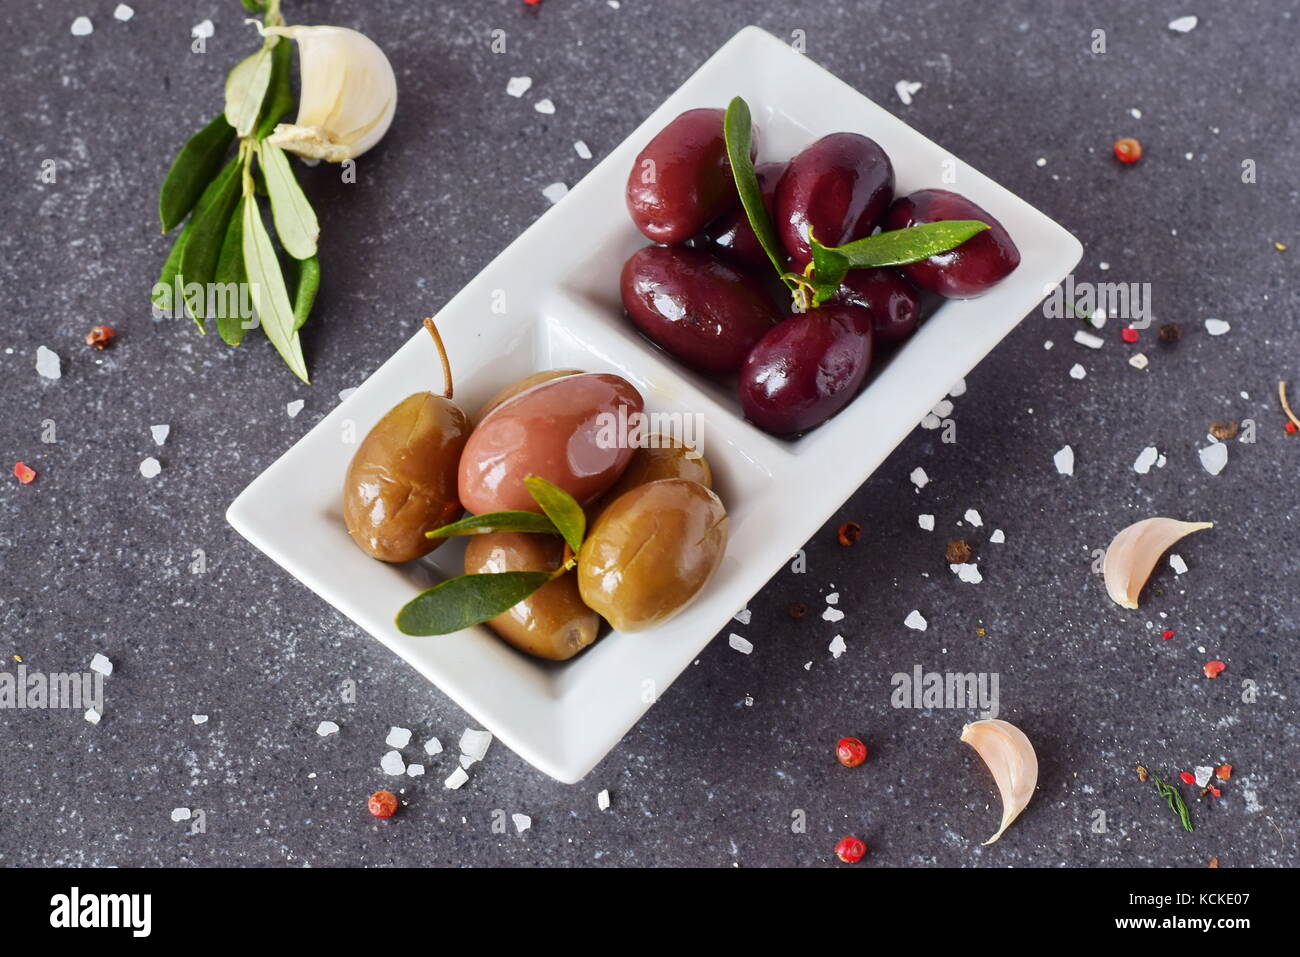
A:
519,85
92,716
415,770
544,106
1077,371
82,27
48,363
160,433
943,409
199,718
582,149
1040,162
602,800
1214,457
1177,564
1103,265
968,572
327,728
1146,459
522,822
101,664
959,389
906,89
475,743
998,537
1160,462
123,12
919,478
294,407
456,779
740,644
1139,360
398,737
1189,156
1216,327
466,761
1064,461
150,467
916,621
1202,776
1135,113
837,646
555,192
973,517
926,522
202,30
392,763
1183,24
181,814
832,615
433,746
1048,343
833,598
931,421
1098,319
1088,339
743,616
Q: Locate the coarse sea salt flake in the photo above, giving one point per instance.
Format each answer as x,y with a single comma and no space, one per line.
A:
1213,457
160,433
739,644
1177,564
474,743
392,763
519,85
919,478
1139,360
415,770
199,718
1088,339
202,30
522,822
326,728
101,664
1183,24
582,149
555,192
916,621
455,779
1216,327
832,615
1064,461
833,598
1146,458
998,537
943,409
82,27
837,646
1077,371
181,814
92,716
150,467
743,616
294,407
968,572
398,737
602,800
959,389
544,106
931,421
123,12
926,522
433,746
906,89
1202,776
48,364
973,517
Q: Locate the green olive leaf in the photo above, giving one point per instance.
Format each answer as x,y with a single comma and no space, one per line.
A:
279,95
561,508
497,522
459,603
164,290
254,6
207,231
246,87
738,128
270,298
192,170
304,290
230,270
295,221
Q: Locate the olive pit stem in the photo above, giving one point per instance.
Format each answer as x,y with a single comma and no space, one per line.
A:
442,355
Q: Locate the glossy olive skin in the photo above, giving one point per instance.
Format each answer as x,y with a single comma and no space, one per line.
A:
651,553
807,368
972,268
695,306
523,385
682,180
840,186
662,457
558,430
732,236
893,301
402,479
552,622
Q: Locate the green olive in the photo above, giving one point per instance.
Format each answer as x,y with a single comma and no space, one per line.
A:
523,385
402,480
671,459
552,622
651,552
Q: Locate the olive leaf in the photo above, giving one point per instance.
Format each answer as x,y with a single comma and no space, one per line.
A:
304,290
246,87
894,248
561,508
163,291
230,269
468,600
254,6
270,297
497,522
207,231
192,170
738,129
295,221
279,95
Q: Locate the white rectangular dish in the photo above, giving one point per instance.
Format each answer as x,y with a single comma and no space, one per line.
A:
559,285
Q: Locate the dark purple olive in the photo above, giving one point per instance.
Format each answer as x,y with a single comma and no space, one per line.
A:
806,368
698,307
973,267
893,301
840,186
731,233
682,180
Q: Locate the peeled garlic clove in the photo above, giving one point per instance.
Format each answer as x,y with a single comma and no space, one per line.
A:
1011,758
348,94
1133,553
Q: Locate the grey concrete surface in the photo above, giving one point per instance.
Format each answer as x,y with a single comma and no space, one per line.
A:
96,558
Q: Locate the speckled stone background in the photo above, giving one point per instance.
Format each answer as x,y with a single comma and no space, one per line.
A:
96,558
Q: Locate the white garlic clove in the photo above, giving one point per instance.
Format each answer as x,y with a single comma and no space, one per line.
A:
1133,554
348,94
1011,758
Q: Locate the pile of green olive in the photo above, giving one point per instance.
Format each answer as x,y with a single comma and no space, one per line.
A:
656,530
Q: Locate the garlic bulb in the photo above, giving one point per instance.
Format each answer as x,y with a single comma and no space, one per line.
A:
1011,759
348,94
1133,553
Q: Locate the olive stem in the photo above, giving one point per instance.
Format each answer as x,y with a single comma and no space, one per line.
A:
442,354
